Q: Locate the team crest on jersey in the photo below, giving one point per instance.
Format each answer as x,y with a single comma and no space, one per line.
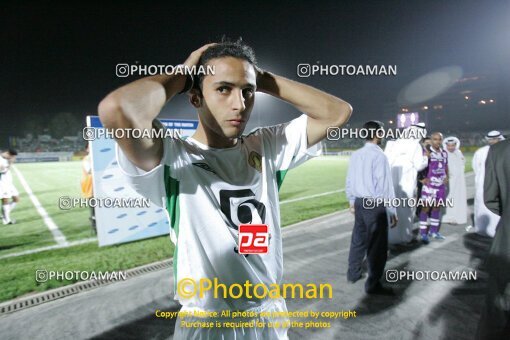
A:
204,166
255,161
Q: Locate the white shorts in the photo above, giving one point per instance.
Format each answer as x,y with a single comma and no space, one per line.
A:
214,333
7,190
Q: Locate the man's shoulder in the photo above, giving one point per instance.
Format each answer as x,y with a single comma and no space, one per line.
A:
482,150
377,150
501,147
262,133
176,148
268,129
177,139
357,152
371,150
255,132
278,128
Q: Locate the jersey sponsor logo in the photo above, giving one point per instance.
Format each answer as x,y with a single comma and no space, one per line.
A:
205,166
436,180
430,190
253,239
438,157
241,207
255,161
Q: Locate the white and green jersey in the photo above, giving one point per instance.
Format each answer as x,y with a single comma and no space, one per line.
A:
4,167
209,192
7,188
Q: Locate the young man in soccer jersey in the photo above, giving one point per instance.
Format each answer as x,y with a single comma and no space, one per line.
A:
7,189
217,179
434,189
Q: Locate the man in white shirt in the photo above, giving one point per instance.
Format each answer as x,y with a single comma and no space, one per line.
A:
217,179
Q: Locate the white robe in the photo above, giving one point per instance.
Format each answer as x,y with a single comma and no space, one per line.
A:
406,159
456,189
485,220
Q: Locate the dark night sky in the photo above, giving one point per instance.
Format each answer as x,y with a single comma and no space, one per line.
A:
61,58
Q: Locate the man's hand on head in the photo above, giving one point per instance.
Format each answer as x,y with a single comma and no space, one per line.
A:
194,57
265,81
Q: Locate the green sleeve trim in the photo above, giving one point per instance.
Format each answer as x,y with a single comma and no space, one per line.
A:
173,208
280,175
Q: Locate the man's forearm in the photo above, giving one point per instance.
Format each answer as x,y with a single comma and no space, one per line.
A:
137,104
315,103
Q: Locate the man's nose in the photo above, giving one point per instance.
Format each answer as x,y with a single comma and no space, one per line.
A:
238,101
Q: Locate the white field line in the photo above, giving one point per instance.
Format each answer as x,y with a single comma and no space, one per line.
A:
311,196
56,246
55,231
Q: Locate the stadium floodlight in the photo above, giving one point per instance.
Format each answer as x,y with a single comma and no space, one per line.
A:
429,85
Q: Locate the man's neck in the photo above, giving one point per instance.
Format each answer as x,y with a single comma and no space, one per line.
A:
372,142
211,139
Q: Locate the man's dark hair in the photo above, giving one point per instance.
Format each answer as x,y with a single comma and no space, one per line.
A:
226,48
12,152
372,126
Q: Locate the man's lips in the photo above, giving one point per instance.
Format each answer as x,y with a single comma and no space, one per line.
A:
236,122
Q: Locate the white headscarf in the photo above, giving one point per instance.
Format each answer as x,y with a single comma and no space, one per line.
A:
451,139
494,134
417,131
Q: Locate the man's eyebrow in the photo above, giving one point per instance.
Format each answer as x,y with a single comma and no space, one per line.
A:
227,83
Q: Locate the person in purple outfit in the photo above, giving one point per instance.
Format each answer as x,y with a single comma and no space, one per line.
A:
433,192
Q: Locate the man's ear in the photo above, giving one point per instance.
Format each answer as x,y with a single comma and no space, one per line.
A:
195,98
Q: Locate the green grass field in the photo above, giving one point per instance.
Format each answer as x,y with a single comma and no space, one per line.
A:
49,181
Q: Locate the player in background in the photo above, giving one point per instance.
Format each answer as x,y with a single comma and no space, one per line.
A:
7,189
434,189
217,179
